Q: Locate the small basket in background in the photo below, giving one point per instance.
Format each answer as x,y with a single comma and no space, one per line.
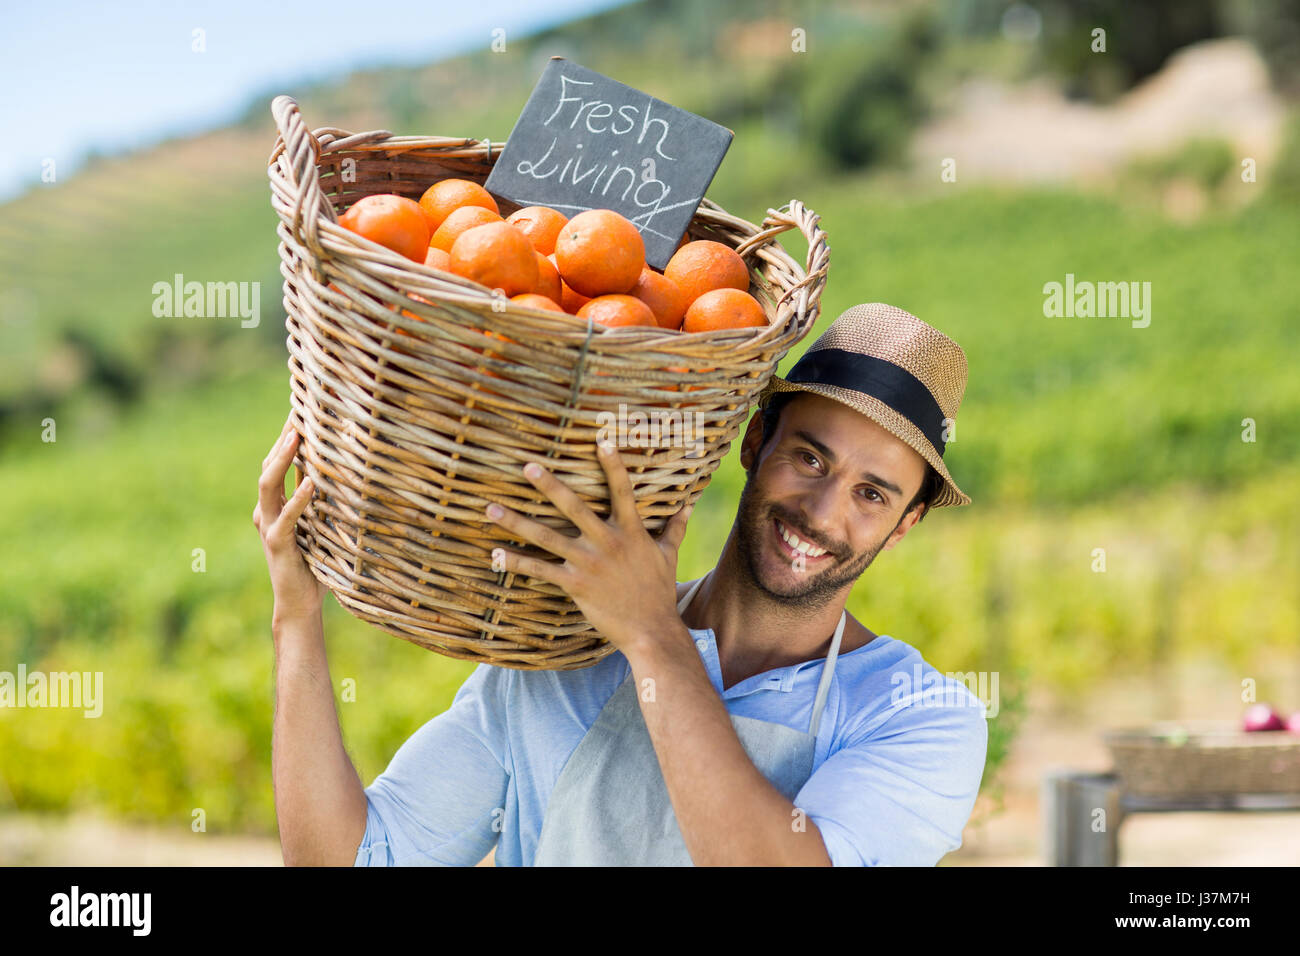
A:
1174,759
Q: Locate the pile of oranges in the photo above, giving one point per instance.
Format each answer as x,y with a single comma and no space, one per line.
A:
592,266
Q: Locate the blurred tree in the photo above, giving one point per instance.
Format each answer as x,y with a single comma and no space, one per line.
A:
1274,26
1284,178
1139,38
859,97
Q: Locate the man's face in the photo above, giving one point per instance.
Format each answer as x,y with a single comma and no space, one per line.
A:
832,478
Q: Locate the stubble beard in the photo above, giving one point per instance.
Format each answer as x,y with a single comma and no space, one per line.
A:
753,518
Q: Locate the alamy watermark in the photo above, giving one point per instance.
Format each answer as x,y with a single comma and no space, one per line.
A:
1128,300
84,689
660,428
931,688
129,910
210,300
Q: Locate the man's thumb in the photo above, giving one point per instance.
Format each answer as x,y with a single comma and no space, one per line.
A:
675,530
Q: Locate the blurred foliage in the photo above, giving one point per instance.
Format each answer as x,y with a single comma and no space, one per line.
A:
1205,161
1013,705
1274,27
1284,178
1138,36
1139,39
861,98
1075,435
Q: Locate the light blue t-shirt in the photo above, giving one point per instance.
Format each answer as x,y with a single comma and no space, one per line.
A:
899,756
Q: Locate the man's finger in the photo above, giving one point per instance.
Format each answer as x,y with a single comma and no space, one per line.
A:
278,442
622,501
271,486
548,539
281,530
530,567
675,530
565,500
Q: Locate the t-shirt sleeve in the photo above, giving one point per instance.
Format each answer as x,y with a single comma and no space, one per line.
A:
439,801
902,795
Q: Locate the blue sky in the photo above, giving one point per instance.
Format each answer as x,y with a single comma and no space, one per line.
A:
111,76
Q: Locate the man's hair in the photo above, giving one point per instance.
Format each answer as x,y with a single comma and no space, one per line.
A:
931,484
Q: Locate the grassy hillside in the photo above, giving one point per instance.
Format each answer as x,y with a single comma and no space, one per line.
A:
1075,434
1200,540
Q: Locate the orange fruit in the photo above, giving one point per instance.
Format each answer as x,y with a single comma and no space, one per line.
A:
548,279
704,265
599,252
394,222
724,309
617,310
541,224
570,300
440,199
664,296
459,221
496,255
535,301
437,259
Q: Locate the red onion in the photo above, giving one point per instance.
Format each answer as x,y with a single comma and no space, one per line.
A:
1261,717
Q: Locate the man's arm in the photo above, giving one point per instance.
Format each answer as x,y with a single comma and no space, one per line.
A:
439,799
319,800
728,812
726,809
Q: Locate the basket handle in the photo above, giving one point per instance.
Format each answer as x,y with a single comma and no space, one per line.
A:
303,150
795,215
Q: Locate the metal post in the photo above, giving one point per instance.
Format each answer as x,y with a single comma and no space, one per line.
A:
1081,816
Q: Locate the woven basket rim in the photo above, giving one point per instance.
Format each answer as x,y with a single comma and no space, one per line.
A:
782,332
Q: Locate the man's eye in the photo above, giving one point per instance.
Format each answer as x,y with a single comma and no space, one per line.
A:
808,458
873,491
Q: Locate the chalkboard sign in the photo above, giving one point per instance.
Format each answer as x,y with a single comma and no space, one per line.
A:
584,141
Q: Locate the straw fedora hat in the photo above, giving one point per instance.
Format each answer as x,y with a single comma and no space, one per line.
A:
887,364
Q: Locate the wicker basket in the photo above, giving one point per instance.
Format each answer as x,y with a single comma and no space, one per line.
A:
1198,757
411,426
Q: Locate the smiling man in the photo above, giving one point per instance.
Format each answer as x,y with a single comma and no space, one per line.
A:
747,719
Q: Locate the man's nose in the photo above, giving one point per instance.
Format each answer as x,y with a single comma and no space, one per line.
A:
819,513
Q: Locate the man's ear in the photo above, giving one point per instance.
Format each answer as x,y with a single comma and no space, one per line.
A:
753,436
904,526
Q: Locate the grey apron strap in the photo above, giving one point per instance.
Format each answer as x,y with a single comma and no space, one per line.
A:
824,688
685,602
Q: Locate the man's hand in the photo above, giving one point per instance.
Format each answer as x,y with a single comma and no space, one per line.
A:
298,595
623,580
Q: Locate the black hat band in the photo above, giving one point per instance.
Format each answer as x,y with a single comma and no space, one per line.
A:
881,379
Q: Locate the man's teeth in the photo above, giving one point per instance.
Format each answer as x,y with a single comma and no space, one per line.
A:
801,546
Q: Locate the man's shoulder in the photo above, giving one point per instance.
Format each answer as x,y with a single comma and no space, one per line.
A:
903,688
924,693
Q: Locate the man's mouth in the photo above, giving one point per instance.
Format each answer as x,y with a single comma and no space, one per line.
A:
794,547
